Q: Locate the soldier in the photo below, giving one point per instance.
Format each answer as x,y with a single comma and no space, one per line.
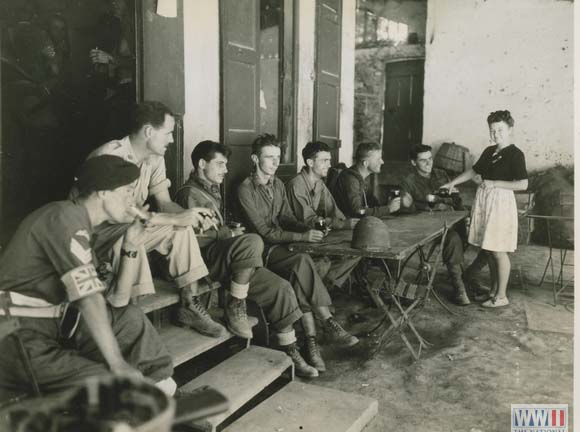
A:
266,211
230,251
48,276
170,230
421,185
351,191
313,204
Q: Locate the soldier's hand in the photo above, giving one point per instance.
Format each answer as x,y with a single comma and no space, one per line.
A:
406,200
125,369
195,217
394,205
134,235
99,56
313,236
237,231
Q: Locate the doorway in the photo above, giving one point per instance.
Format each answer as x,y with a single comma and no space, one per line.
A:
403,112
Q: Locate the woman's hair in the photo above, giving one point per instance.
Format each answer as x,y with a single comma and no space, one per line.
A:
500,116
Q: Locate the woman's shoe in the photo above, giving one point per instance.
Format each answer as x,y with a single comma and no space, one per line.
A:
496,302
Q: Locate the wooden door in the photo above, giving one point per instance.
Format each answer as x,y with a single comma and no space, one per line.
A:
403,115
327,84
240,84
163,77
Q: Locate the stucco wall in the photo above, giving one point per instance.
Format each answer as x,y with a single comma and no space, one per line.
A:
202,75
484,55
347,81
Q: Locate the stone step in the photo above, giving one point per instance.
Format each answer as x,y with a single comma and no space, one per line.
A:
240,378
305,407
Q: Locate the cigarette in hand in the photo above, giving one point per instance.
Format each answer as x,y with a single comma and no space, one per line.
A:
141,214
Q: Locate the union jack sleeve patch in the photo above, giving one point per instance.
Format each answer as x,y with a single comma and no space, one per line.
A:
81,282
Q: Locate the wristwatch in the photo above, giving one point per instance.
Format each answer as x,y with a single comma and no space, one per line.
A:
128,254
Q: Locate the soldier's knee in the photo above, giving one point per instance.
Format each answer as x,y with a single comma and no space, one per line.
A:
253,242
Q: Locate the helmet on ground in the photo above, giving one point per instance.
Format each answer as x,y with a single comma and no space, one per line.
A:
371,234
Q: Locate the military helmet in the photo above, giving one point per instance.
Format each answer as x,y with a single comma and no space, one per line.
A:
371,234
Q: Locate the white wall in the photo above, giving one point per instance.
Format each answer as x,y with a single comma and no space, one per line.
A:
485,55
202,75
347,81
304,55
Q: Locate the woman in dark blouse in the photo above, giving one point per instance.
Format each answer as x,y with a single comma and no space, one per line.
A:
494,216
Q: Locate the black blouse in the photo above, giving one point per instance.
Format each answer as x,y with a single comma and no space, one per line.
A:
508,164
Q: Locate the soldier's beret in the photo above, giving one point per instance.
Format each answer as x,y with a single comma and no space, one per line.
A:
106,172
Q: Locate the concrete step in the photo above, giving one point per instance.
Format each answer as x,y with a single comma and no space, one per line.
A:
305,407
166,294
240,378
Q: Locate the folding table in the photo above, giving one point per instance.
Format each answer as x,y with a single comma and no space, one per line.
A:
414,235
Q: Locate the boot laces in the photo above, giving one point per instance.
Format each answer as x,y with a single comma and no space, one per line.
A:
198,307
312,345
239,309
334,325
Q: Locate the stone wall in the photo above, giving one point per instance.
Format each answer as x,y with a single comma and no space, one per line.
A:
371,60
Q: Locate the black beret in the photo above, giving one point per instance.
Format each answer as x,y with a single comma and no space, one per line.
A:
106,172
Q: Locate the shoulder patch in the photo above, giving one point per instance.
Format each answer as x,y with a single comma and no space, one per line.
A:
83,254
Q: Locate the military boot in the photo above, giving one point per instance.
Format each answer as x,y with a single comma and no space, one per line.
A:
455,273
301,368
338,335
313,355
237,317
194,315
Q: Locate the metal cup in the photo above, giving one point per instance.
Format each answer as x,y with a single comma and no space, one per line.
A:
320,224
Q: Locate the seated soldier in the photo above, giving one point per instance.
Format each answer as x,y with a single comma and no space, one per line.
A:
48,274
351,192
313,203
231,252
169,232
421,185
266,211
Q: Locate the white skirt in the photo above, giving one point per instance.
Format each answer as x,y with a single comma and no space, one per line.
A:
494,220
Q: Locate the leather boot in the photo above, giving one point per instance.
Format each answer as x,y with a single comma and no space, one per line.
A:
301,368
476,290
455,272
194,315
338,335
237,317
313,355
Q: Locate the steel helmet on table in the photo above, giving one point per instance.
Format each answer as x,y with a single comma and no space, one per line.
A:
371,234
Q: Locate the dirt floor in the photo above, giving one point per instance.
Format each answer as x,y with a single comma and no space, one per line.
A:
481,360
